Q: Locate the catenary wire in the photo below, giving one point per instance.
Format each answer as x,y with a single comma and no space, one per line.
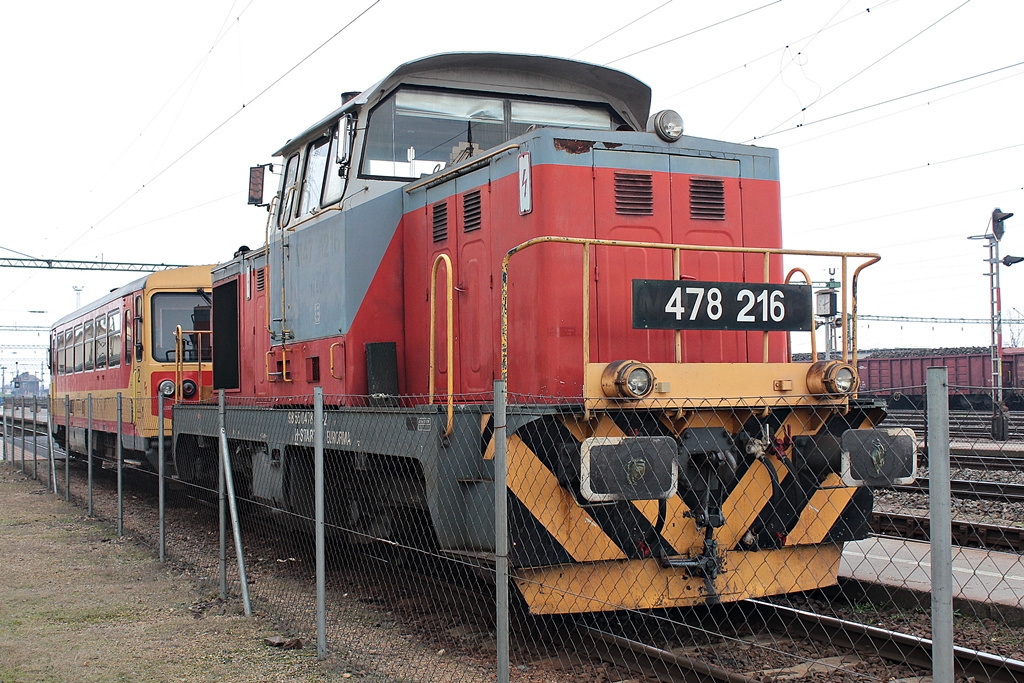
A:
621,28
217,128
869,66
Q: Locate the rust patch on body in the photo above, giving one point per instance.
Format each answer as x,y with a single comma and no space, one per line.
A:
574,146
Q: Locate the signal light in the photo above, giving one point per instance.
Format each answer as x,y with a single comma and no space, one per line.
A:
998,216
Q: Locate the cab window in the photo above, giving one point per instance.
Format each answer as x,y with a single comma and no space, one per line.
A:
313,178
291,172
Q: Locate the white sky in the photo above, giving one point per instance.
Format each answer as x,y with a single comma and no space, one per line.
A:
126,138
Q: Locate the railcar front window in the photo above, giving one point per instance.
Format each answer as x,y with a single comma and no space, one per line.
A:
416,133
190,310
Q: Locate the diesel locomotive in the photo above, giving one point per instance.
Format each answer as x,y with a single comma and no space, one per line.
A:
475,217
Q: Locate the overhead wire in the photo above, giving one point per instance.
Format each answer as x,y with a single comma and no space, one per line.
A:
621,28
196,70
220,125
884,102
693,32
930,164
870,66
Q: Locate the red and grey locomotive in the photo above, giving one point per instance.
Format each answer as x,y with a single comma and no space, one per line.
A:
479,216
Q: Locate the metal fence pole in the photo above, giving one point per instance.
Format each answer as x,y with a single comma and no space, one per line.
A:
23,401
88,449
321,563
120,469
67,447
501,529
3,416
222,503
35,438
229,482
49,446
940,513
160,469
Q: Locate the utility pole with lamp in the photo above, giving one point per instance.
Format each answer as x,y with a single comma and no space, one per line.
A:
996,308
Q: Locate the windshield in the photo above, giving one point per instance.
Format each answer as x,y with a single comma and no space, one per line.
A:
190,310
415,133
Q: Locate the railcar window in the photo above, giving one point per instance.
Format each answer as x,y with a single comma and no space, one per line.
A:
100,327
313,179
69,351
190,310
79,349
416,133
291,172
554,114
60,352
128,338
89,351
114,339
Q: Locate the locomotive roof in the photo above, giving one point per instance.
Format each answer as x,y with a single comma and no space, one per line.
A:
508,74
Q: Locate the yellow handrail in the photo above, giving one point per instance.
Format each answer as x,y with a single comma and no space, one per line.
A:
179,359
848,339
433,337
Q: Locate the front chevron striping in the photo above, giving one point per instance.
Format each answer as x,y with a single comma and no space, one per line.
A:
551,504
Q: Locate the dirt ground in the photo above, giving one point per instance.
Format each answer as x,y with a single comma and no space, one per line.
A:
79,604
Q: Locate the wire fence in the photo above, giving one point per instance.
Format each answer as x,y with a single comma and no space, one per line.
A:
533,539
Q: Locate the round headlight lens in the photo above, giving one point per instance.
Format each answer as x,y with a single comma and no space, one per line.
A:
188,388
627,379
638,381
844,379
166,388
667,124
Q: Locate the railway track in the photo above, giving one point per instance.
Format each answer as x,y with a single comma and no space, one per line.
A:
963,424
965,533
970,488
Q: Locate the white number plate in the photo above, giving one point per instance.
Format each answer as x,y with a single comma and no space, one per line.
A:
690,305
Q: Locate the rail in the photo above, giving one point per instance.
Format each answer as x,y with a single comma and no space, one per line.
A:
848,284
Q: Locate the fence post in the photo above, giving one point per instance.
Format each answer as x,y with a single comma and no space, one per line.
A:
501,528
222,501
120,469
3,416
49,446
229,481
88,449
35,438
23,401
67,447
160,468
941,524
321,563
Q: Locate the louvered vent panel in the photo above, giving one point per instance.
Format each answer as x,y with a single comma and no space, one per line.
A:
260,279
707,199
634,194
440,221
472,217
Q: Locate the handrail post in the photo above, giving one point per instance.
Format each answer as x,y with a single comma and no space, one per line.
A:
450,346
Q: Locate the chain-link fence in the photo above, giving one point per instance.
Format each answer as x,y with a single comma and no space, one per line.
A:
721,540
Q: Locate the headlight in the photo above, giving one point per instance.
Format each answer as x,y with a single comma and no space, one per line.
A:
832,378
166,388
667,124
628,379
188,388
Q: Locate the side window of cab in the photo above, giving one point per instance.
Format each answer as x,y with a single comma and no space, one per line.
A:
291,173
